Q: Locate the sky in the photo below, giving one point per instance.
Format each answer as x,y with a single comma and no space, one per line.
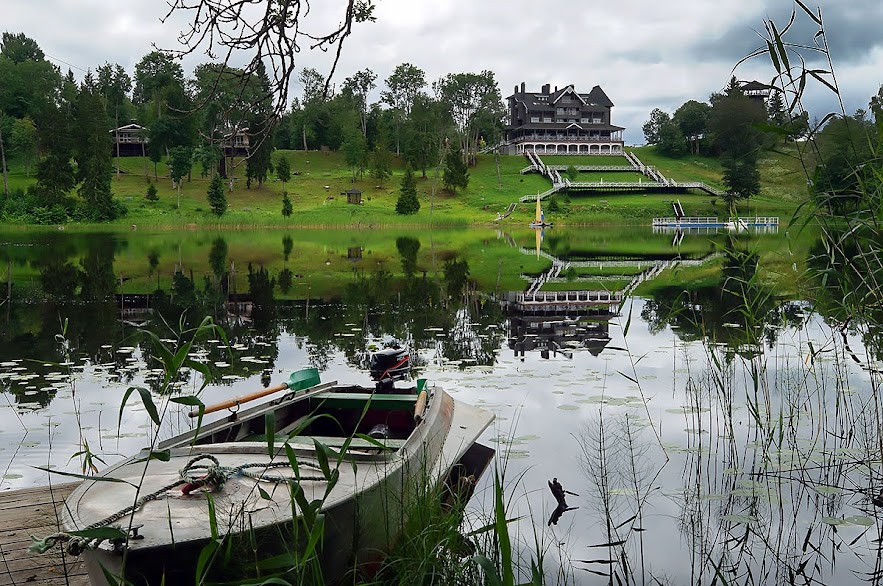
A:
644,54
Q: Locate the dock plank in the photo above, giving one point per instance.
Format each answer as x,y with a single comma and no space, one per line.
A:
35,511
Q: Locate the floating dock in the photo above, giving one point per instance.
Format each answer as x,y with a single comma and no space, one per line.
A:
714,222
37,512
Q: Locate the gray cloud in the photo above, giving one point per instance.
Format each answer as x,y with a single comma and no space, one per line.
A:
644,54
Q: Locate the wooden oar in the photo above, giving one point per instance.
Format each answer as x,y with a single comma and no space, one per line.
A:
299,380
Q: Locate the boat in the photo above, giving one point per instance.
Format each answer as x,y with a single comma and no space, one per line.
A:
540,218
363,457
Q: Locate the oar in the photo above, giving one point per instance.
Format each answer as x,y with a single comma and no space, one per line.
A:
299,380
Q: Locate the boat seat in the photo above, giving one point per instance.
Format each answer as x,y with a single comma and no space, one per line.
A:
388,402
336,442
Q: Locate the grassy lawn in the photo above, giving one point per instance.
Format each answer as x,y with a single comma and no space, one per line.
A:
320,178
607,285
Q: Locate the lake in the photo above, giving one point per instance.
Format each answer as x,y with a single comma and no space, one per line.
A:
730,431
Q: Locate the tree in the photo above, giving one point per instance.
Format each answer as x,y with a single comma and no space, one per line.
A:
114,84
93,151
405,83
180,163
407,202
456,175
217,199
671,141
355,151
572,172
19,48
381,164
23,141
692,120
157,76
275,35
741,178
283,171
151,194
473,100
287,209
653,126
356,88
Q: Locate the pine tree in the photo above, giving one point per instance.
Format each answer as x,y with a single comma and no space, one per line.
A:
151,194
456,175
217,199
93,152
408,202
286,205
283,171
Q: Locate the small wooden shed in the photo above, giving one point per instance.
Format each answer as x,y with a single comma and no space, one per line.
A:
353,195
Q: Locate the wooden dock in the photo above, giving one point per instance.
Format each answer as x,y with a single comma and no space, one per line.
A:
35,511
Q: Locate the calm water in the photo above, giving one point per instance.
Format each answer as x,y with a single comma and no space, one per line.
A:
699,441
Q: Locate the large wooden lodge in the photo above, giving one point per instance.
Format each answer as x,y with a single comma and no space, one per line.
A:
561,122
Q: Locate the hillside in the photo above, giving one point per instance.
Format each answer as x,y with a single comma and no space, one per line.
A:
319,178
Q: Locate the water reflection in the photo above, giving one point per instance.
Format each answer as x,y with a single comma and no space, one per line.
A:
717,411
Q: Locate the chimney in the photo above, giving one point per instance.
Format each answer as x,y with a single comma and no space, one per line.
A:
556,88
522,87
516,89
546,89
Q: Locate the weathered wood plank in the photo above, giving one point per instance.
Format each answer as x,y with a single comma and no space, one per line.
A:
35,511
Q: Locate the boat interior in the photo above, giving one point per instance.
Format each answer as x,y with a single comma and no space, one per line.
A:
331,417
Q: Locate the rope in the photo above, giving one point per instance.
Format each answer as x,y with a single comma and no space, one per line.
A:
213,476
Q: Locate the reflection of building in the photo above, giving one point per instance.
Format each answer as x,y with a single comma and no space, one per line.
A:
562,122
130,141
562,334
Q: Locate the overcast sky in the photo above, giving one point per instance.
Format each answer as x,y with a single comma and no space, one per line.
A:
643,53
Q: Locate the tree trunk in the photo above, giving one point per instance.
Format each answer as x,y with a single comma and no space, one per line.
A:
3,160
116,137
497,162
305,136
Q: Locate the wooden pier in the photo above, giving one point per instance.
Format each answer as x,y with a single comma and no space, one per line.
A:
37,512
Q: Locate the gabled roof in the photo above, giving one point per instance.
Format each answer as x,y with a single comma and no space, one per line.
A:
128,127
599,98
572,124
566,90
753,86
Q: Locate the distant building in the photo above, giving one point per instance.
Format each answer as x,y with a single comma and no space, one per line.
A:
130,141
755,90
235,143
561,122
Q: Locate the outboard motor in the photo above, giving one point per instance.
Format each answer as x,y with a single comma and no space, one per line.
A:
389,365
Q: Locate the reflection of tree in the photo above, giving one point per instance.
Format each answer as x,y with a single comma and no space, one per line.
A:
217,258
287,246
456,273
408,248
261,290
738,310
286,278
846,277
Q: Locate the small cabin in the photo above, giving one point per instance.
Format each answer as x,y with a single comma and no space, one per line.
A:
130,141
235,143
353,196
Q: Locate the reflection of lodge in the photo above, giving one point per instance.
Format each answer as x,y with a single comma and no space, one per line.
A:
560,334
557,302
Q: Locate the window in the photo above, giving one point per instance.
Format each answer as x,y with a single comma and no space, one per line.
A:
535,119
584,120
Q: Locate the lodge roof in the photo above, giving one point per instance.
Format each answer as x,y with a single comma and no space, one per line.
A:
565,126
540,100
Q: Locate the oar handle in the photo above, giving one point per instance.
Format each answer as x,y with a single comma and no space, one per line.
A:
420,407
240,400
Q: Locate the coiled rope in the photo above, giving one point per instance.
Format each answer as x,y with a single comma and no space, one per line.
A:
193,476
